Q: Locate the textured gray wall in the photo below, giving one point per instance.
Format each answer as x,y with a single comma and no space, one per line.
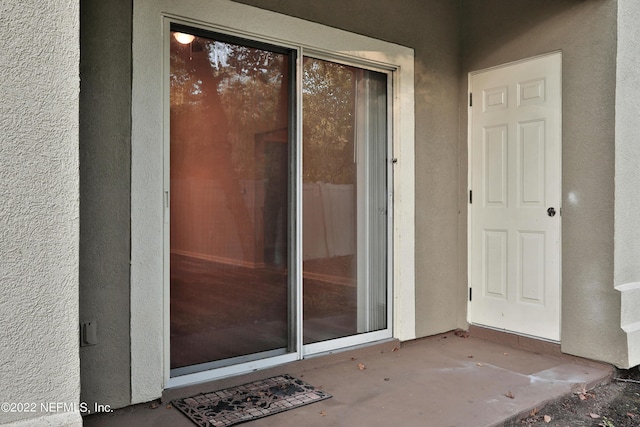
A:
627,231
39,208
627,146
431,29
500,31
105,171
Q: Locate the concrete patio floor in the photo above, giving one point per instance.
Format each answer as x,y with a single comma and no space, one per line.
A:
444,380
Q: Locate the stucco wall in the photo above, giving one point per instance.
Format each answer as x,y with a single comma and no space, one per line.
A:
39,360
105,181
431,29
627,148
627,202
500,31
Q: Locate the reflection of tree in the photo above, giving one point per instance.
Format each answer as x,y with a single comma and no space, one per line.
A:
329,114
252,88
249,84
223,94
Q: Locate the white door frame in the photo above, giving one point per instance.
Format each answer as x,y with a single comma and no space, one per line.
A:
149,371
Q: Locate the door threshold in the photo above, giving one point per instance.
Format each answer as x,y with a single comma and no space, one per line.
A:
527,343
292,368
512,339
519,341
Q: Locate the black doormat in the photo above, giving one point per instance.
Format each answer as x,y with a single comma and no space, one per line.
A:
248,402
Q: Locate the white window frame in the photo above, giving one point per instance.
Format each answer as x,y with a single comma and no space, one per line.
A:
149,302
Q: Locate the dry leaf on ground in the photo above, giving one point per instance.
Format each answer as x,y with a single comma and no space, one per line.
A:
460,333
509,395
361,366
547,419
580,389
585,395
594,416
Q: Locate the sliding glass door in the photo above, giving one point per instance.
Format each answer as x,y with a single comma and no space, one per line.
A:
229,157
344,200
277,237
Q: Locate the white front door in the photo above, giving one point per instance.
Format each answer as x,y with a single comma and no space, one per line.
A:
515,195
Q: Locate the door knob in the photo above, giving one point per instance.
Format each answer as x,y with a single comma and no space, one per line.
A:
551,212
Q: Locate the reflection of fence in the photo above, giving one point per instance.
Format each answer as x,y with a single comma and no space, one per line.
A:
203,225
329,221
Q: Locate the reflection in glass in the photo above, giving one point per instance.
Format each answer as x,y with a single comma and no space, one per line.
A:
344,200
229,166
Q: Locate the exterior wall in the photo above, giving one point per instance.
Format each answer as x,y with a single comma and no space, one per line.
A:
627,177
496,32
105,180
431,29
39,59
440,292
586,33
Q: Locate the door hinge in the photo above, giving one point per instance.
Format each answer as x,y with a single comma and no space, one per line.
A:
470,294
470,196
470,99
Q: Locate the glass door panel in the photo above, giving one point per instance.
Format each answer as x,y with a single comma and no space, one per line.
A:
344,200
229,157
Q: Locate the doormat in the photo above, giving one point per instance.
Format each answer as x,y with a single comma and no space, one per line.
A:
248,402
